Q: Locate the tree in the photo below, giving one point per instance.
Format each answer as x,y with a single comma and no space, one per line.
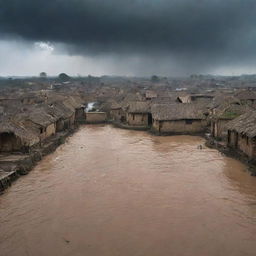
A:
64,77
155,79
43,75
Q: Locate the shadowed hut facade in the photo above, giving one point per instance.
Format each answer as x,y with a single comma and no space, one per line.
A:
75,105
64,116
16,137
242,134
96,117
42,123
138,114
178,118
222,116
70,107
117,113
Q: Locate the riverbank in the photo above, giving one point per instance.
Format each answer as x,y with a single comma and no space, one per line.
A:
229,152
129,127
110,191
210,143
12,166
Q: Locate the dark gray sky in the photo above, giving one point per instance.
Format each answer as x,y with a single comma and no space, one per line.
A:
129,37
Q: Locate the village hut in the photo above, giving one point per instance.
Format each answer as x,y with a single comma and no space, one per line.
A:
15,137
242,134
178,118
62,108
222,115
184,99
246,97
117,112
64,116
38,120
149,95
138,114
75,103
195,98
33,98
201,98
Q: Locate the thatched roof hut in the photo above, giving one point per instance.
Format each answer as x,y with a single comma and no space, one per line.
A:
150,94
60,111
25,134
41,115
115,105
220,101
244,124
229,111
139,107
168,112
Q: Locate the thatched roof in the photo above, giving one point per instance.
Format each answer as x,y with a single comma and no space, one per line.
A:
229,111
39,115
184,99
131,97
74,101
246,95
168,112
115,105
27,136
150,94
244,124
200,96
164,100
221,100
139,107
41,118
60,111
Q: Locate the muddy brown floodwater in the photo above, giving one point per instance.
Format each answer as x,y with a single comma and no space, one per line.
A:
109,192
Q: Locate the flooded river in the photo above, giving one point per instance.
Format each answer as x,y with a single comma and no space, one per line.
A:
109,192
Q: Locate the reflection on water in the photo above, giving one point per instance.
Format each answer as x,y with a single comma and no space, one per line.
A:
116,192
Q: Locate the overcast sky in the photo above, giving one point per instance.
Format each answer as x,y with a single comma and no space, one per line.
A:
127,37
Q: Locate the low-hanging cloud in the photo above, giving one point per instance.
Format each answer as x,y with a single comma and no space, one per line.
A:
197,35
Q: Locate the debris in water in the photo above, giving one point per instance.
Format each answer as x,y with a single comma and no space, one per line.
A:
67,241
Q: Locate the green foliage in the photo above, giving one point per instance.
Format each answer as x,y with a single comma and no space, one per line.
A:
230,115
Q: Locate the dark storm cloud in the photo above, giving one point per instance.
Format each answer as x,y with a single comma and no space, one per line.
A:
185,29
